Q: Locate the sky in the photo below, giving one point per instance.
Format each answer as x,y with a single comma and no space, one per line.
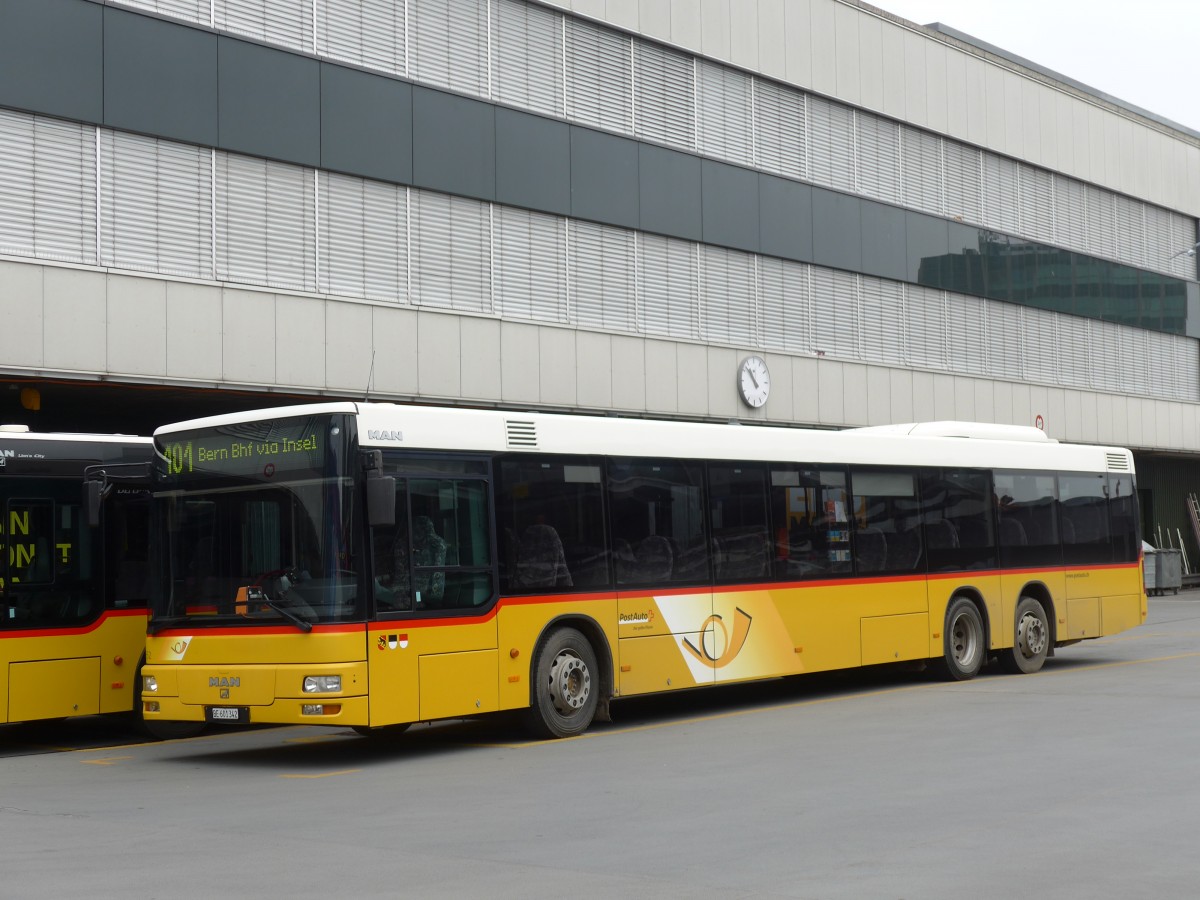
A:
1141,51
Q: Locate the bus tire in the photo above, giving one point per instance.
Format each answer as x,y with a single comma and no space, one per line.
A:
566,686
1031,639
963,648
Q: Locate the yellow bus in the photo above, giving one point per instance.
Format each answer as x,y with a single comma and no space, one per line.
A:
74,596
371,565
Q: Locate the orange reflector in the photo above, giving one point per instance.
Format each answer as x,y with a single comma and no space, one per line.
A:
626,668
332,709
513,679
799,649
117,685
936,635
117,660
514,652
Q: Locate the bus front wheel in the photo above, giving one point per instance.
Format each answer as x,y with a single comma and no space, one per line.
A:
963,650
565,686
1031,639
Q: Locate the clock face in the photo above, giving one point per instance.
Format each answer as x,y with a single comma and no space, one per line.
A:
754,381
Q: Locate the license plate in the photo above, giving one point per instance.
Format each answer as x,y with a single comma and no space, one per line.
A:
234,715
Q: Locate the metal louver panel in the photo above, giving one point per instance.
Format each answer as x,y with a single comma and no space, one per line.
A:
830,144
47,188
665,91
878,157
1158,239
927,336
1000,193
1106,356
285,22
1038,349
785,301
667,287
192,10
156,205
780,129
1006,325
364,238
527,57
1070,213
1117,462
1130,230
520,434
265,223
603,276
1075,349
964,182
1036,190
365,32
451,252
448,44
966,321
599,77
531,261
921,169
884,320
835,313
1136,360
725,127
1101,222
1183,235
728,308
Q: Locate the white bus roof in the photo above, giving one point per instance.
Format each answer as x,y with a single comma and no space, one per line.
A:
967,444
72,437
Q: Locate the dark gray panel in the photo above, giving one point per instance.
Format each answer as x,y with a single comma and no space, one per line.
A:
159,78
730,206
785,218
669,185
883,241
533,162
1192,329
51,57
270,102
963,271
454,144
928,246
604,178
366,124
837,230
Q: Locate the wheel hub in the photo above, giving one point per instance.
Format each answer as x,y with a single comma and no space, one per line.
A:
964,641
1031,634
570,683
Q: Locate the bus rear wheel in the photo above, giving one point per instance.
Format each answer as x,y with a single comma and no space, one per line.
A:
963,650
565,686
1031,639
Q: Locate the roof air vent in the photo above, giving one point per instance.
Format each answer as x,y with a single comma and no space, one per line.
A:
522,435
1117,462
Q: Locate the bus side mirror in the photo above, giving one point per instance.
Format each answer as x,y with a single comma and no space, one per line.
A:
381,492
93,496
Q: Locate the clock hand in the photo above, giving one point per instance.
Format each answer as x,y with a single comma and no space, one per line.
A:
750,372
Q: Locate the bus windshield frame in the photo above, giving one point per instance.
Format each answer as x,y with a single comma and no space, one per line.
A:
259,523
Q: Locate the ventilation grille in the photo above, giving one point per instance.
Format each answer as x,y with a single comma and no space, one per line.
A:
521,435
1118,462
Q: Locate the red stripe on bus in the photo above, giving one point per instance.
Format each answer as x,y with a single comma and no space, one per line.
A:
70,630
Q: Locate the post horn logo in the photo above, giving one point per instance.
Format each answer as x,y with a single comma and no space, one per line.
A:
730,646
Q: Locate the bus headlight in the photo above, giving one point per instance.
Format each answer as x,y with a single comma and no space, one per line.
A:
322,684
149,684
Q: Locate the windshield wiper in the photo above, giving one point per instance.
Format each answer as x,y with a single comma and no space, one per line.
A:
303,624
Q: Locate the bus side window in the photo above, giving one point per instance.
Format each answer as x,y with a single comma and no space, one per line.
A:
887,517
1083,511
658,522
1123,518
957,506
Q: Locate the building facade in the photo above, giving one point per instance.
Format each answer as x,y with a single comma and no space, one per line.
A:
597,205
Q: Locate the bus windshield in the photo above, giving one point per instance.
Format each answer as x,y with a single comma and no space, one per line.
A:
259,525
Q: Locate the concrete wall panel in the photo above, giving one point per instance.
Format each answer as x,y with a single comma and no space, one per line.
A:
195,323
916,79
520,369
301,325
628,373
480,354
823,46
557,364
348,346
594,376
848,60
772,38
937,111
136,329
245,356
894,92
394,332
743,34
831,396
75,308
798,25
439,373
806,389
870,62
21,313
691,379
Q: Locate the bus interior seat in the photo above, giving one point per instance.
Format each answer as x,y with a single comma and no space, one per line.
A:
541,562
904,550
870,549
654,559
972,532
1012,533
742,556
940,535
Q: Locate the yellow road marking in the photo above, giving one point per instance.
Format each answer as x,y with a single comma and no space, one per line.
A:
107,761
324,774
